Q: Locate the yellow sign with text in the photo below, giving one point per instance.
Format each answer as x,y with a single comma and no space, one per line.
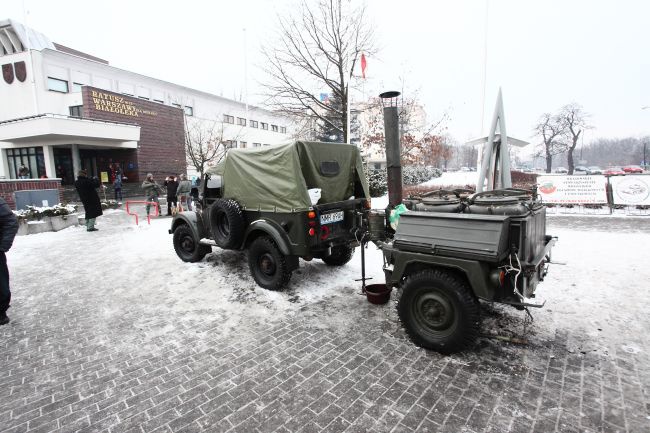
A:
104,176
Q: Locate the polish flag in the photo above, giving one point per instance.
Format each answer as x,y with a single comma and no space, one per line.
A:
363,65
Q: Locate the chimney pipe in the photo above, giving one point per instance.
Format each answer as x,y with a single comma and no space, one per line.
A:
393,150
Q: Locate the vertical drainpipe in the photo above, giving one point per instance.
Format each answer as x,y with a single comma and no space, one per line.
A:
393,150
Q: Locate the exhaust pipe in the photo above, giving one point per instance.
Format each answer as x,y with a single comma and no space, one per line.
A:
393,148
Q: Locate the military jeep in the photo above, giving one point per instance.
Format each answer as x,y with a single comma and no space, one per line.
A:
266,201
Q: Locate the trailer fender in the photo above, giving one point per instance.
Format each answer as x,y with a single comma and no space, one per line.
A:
475,272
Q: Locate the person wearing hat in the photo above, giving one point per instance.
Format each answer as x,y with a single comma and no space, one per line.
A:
151,191
87,189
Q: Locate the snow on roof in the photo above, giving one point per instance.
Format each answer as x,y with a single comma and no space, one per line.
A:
16,38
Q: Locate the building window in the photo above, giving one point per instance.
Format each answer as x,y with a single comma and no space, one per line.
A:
159,101
283,129
241,121
143,97
56,85
253,123
230,144
76,111
176,105
266,144
29,157
265,125
127,94
257,144
76,87
377,165
228,119
189,111
242,144
274,128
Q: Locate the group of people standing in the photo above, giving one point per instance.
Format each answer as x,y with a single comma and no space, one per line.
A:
178,192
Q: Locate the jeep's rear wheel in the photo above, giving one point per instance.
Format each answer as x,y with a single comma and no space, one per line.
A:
267,264
187,247
438,311
227,223
340,255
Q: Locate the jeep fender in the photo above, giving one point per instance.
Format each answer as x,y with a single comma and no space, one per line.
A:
271,229
190,218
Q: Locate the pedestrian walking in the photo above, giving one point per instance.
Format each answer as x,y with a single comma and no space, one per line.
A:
23,172
117,185
183,192
8,229
151,192
87,189
172,190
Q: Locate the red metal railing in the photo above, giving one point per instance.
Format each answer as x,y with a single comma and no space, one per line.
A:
155,205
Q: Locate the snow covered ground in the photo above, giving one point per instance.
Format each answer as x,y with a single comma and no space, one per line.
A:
602,288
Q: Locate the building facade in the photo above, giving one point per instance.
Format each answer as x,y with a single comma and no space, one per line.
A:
63,110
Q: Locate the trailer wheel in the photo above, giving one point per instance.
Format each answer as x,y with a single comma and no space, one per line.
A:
227,223
340,255
438,311
267,264
187,248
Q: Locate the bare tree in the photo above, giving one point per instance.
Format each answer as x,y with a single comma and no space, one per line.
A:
204,143
574,123
318,47
420,141
551,128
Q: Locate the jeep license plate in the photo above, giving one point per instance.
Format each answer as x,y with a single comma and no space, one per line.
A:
332,217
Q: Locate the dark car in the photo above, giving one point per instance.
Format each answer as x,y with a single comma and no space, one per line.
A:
594,169
633,169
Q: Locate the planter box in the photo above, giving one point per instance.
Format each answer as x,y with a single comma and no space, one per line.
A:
47,224
64,221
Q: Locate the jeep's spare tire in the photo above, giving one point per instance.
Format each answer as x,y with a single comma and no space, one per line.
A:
227,223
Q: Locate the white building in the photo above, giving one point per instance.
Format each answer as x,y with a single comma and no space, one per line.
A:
47,125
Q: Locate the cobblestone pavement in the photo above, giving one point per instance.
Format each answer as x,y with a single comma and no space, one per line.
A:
70,365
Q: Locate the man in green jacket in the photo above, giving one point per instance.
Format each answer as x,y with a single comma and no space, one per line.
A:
8,229
183,192
151,192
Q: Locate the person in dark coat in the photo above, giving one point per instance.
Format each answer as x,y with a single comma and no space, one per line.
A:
88,195
172,198
8,229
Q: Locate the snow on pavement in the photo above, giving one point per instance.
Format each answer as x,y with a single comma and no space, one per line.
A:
602,289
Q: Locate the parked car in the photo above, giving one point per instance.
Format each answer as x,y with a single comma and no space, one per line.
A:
580,169
633,169
561,170
613,171
594,169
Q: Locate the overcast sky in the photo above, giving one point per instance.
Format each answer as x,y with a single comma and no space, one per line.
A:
543,54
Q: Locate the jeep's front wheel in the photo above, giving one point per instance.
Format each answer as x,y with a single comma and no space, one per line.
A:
339,256
187,247
438,311
267,264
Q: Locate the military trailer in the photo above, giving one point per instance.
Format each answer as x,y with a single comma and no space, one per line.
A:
279,203
491,246
454,248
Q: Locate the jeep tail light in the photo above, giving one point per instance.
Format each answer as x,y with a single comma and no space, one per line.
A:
324,232
311,214
312,231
